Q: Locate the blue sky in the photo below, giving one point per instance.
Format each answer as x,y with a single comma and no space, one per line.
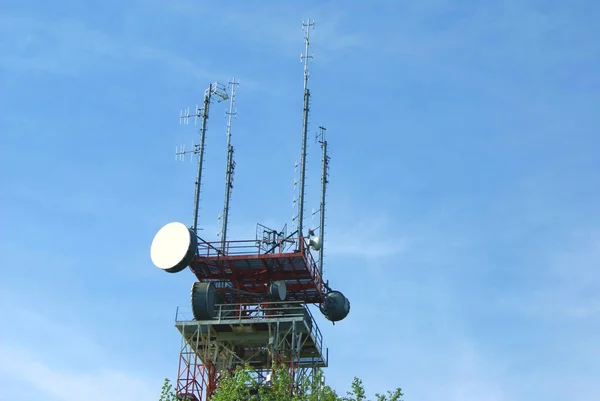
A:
463,219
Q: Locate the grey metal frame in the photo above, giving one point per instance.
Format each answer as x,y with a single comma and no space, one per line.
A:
287,329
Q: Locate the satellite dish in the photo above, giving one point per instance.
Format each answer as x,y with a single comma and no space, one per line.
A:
336,306
204,299
315,243
278,290
173,247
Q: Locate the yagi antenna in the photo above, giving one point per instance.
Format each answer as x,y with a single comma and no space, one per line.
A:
305,57
214,90
181,152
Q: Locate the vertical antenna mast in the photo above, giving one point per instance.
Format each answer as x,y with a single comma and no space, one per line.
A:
213,89
304,58
324,182
200,152
230,165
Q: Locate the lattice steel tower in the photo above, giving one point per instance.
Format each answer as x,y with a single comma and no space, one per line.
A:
249,305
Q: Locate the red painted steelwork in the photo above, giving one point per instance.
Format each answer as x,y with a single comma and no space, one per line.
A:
245,266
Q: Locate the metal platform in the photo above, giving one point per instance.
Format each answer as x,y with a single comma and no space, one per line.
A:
248,266
253,334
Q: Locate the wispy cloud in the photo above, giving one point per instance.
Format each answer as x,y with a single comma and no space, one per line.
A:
56,360
461,194
568,281
279,25
500,49
367,238
25,369
462,374
423,345
69,47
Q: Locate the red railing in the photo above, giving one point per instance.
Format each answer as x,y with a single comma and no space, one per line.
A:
240,249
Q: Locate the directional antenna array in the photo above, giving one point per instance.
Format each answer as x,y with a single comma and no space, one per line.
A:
305,57
214,90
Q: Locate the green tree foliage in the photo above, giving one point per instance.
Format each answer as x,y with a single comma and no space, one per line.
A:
357,393
167,393
243,385
238,386
395,395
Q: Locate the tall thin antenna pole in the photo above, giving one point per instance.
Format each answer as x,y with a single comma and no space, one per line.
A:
230,165
213,89
199,149
324,182
305,57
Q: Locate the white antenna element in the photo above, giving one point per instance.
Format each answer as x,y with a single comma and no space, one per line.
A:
229,172
180,152
304,58
214,89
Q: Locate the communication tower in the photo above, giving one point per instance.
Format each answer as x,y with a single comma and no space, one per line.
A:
250,302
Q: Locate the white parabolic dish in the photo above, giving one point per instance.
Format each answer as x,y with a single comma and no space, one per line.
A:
173,247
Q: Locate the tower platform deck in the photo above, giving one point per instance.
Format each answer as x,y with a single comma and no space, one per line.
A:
249,266
244,333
